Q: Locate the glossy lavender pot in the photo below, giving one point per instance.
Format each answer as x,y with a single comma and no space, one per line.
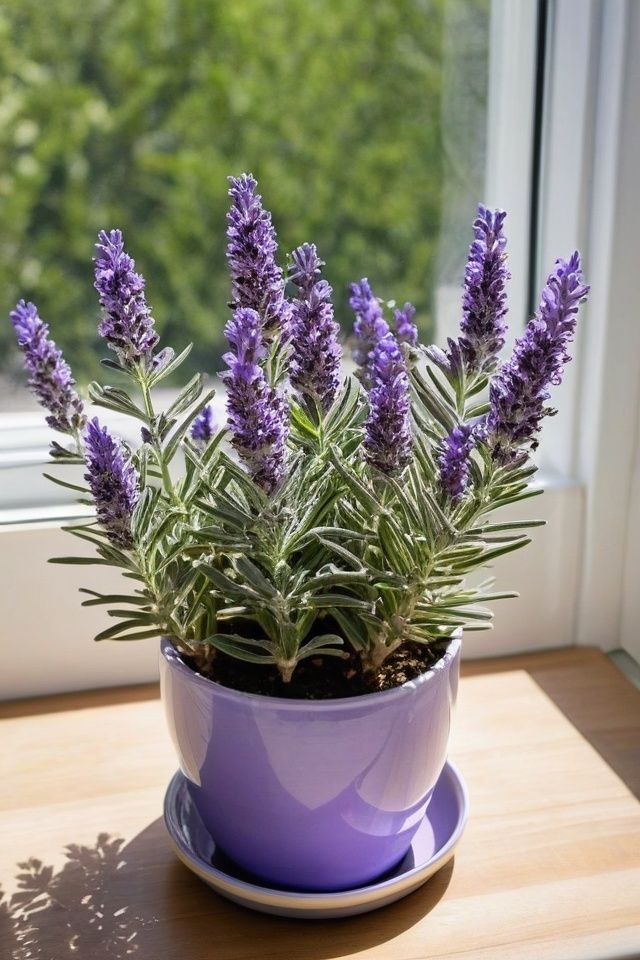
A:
311,795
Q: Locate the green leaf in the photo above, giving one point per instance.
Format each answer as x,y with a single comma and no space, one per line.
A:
250,490
353,629
188,395
333,577
255,577
511,525
321,652
441,411
225,511
143,511
232,613
325,639
112,632
140,635
344,409
343,533
393,553
326,645
505,501
99,536
302,422
65,483
490,555
99,599
462,613
170,367
227,586
410,510
446,395
114,365
338,600
80,561
241,647
114,399
180,431
141,616
359,490
343,552
478,410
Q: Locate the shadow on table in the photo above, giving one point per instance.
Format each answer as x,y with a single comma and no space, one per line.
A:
117,900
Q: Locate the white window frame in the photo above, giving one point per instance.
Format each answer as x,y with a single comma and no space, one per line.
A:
571,578
580,577
591,201
547,568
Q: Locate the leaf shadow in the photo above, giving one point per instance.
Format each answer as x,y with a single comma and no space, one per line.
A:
71,912
115,900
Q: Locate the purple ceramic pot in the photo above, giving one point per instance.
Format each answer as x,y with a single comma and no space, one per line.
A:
311,795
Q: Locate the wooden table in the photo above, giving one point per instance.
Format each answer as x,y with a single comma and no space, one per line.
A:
548,869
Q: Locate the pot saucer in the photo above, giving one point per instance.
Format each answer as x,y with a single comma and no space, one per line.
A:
432,847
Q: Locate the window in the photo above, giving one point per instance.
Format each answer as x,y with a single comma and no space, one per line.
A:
364,124
374,129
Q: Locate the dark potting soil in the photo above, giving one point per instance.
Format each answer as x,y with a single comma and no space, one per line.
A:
326,678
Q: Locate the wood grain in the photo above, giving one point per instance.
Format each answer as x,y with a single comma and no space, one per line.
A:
548,869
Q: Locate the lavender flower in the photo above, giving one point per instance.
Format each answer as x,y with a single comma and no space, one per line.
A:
370,325
314,367
256,279
257,413
518,392
127,324
450,361
484,302
406,330
454,461
113,481
305,267
50,375
387,432
203,427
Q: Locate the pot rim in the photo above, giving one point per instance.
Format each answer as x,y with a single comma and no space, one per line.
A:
174,660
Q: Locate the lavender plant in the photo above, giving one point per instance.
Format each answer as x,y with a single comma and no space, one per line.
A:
331,515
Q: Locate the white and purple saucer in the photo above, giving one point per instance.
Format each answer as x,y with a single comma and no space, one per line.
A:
432,847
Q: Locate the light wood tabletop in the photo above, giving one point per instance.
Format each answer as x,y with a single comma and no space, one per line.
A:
548,867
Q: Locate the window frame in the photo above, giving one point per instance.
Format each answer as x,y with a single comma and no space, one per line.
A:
590,201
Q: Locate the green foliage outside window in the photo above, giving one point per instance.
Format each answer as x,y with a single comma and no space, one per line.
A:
132,115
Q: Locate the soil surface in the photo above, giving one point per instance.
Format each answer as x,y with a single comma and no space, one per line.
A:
326,678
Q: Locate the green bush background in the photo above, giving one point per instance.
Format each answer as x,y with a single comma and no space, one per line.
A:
133,114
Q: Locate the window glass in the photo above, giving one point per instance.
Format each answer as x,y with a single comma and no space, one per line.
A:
364,123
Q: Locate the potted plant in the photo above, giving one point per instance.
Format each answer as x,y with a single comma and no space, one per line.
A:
306,562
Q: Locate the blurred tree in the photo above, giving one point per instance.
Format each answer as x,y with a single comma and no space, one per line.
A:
133,115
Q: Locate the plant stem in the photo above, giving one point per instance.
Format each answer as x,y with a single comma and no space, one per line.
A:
156,441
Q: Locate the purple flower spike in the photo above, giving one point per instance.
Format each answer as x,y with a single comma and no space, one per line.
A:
454,461
484,302
518,393
257,281
314,367
127,324
203,427
113,481
305,268
388,435
50,375
257,414
370,325
406,330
